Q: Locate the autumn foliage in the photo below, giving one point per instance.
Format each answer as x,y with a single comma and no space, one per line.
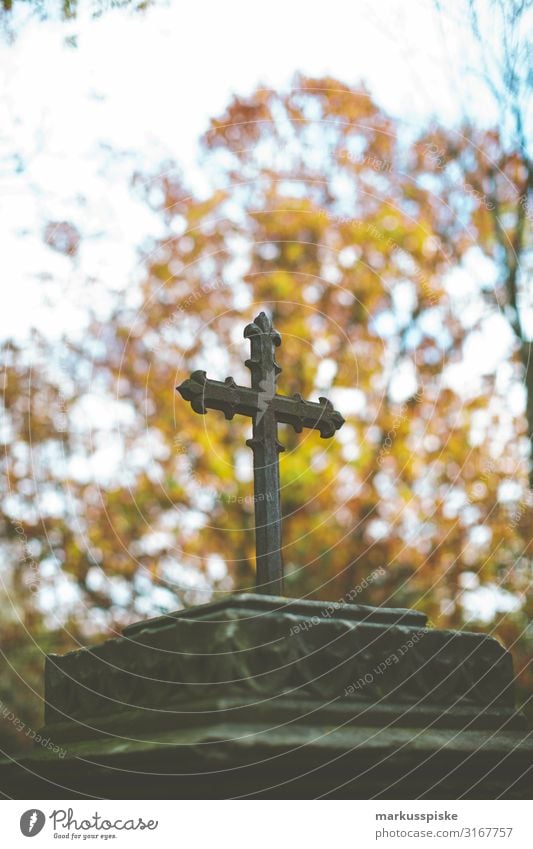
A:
376,252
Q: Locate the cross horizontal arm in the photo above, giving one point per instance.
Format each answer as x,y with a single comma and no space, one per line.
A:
294,410
225,395
204,394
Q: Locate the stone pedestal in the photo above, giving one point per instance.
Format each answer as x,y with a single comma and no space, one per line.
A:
266,697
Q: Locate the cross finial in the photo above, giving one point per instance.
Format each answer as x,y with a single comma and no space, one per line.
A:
266,408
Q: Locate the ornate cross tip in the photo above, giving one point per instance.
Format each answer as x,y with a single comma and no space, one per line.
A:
264,339
262,324
267,409
192,390
332,420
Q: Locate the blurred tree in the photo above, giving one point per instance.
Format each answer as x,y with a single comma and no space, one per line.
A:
15,13
68,9
501,196
121,502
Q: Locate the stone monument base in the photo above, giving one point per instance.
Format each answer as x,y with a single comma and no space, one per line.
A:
266,697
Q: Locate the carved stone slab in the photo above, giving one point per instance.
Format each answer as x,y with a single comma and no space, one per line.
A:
257,656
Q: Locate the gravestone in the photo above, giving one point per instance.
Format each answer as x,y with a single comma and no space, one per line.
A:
261,696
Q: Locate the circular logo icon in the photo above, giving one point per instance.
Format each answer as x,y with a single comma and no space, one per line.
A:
32,822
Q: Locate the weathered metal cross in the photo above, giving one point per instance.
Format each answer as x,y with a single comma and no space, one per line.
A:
266,409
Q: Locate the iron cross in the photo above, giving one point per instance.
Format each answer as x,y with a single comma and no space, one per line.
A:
266,409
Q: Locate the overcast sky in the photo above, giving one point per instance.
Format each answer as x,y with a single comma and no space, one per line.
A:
145,85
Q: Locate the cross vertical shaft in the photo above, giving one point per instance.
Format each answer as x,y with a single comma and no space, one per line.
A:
266,448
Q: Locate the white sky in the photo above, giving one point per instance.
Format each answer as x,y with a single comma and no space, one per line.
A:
145,85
